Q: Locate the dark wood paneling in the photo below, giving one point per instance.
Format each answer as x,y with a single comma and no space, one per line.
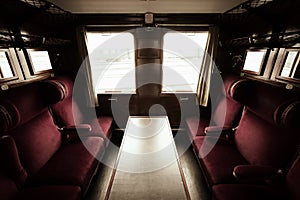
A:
176,106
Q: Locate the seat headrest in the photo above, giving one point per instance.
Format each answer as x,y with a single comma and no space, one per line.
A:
9,116
267,101
21,104
56,89
232,84
287,114
63,86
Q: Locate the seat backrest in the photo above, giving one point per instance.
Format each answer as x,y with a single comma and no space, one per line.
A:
24,116
66,112
228,111
268,133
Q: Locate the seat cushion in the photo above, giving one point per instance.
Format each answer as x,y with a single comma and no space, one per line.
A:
245,192
8,188
50,193
10,162
219,163
73,164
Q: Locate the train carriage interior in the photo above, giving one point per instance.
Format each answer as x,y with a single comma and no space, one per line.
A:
149,99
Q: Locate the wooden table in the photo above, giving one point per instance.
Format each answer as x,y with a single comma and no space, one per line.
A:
147,166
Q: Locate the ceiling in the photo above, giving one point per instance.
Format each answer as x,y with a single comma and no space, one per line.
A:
142,6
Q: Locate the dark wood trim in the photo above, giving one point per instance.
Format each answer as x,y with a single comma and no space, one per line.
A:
170,20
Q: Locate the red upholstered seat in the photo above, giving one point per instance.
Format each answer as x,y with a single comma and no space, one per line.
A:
245,192
221,160
227,111
267,134
68,111
73,164
35,152
288,189
8,188
61,192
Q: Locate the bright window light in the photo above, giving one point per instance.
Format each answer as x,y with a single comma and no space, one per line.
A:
254,60
40,60
289,63
182,59
6,70
112,62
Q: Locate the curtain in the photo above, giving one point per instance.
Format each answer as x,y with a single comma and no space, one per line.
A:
208,66
85,74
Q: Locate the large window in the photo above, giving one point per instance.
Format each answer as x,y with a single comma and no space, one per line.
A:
182,59
112,61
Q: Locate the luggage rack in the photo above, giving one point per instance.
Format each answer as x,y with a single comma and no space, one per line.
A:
8,39
271,40
47,6
246,6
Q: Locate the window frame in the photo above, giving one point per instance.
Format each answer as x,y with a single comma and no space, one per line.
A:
262,64
12,60
294,67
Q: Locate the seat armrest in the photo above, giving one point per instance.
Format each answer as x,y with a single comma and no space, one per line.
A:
75,132
257,174
225,132
79,127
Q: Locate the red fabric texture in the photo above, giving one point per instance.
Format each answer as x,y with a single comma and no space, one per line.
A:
196,127
9,116
10,162
61,192
227,111
263,143
102,126
288,189
8,188
220,161
37,141
293,180
264,99
254,171
29,100
245,192
73,164
68,112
